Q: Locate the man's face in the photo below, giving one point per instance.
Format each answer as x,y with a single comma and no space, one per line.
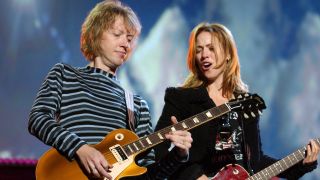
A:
116,45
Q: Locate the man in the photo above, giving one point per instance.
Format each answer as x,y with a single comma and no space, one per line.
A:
76,107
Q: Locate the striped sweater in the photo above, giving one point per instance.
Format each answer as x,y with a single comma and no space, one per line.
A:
77,106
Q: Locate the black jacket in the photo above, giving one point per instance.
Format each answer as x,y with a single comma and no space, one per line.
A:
186,102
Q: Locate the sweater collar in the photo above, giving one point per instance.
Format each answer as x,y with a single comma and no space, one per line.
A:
95,70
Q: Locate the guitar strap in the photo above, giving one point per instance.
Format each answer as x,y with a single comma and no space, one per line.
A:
130,109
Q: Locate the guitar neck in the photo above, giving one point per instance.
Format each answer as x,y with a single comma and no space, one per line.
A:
282,165
155,138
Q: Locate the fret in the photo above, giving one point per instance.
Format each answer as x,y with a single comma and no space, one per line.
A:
273,173
280,167
131,149
215,111
184,125
137,143
301,154
142,145
154,139
189,123
295,157
287,161
148,140
165,130
292,159
208,114
224,108
127,150
160,136
195,120
145,141
268,173
259,176
202,117
135,146
283,162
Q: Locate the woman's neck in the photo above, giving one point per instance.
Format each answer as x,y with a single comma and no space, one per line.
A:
215,93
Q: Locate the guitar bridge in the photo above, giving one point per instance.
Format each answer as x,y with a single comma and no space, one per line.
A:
118,153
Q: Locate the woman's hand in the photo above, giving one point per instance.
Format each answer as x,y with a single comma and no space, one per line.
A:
181,139
312,152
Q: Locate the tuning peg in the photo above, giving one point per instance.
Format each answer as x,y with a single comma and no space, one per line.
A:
245,115
260,113
246,95
252,114
239,97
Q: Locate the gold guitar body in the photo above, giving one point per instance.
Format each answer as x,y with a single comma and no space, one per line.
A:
53,166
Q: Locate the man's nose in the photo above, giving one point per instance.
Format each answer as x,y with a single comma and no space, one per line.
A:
125,43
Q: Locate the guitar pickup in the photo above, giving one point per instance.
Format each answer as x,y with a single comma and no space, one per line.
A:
118,153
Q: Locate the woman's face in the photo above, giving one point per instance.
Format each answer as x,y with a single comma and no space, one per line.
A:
210,56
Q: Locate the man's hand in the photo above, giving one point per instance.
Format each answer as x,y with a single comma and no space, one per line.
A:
94,162
181,139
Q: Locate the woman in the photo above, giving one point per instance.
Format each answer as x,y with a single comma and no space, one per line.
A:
234,138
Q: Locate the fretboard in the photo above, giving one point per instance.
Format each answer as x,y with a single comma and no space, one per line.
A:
281,165
157,137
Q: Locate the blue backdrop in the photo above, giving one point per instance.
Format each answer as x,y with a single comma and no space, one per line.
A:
278,43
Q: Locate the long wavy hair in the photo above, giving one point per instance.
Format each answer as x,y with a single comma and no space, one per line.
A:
231,76
101,18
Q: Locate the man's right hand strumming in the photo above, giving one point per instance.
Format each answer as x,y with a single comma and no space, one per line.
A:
94,162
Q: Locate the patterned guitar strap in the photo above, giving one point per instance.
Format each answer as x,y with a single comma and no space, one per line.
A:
130,109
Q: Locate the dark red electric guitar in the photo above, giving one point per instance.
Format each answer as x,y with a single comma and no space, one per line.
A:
236,172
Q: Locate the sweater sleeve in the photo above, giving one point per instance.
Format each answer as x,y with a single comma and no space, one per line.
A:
44,116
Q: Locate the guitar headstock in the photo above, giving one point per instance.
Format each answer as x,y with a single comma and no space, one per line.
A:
250,104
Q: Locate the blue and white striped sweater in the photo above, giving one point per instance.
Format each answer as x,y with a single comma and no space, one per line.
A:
77,106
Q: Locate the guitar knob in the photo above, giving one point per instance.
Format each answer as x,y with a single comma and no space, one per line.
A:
252,114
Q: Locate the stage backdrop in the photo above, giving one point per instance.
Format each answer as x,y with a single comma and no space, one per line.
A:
278,42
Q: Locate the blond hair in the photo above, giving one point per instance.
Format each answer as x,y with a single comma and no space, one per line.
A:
231,76
101,18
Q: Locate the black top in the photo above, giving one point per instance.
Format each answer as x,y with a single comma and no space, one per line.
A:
186,102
